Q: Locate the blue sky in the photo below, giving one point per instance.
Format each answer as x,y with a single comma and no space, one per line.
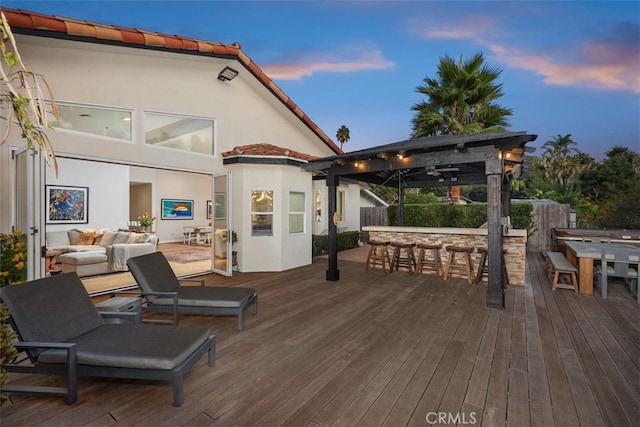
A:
569,67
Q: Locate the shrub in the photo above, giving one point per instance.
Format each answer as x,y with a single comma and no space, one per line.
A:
13,258
462,216
345,240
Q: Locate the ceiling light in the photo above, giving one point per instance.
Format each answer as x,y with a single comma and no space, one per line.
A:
227,74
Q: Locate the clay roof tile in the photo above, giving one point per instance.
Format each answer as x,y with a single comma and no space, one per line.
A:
267,150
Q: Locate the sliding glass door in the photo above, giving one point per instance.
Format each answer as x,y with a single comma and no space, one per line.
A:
221,231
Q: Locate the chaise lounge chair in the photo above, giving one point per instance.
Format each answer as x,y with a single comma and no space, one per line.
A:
164,293
62,333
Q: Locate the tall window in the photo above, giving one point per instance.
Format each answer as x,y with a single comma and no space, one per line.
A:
318,206
262,213
340,207
179,132
108,122
296,212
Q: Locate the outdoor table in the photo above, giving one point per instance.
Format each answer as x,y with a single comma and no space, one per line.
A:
582,255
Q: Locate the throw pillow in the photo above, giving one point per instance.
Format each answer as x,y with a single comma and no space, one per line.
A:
144,238
121,237
74,235
107,238
133,237
87,238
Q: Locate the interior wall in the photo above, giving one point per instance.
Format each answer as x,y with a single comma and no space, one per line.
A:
140,200
182,185
108,184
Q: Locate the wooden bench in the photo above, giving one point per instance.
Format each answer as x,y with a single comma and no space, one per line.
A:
559,265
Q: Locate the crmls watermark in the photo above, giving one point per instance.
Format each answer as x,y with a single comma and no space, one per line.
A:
460,418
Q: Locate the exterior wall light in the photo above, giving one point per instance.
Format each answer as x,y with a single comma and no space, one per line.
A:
227,74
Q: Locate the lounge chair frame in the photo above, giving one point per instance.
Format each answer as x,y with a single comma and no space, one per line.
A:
71,369
151,269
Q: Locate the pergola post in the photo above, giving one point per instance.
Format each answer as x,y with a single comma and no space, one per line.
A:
401,192
333,274
495,290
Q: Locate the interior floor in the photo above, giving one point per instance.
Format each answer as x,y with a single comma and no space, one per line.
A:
103,283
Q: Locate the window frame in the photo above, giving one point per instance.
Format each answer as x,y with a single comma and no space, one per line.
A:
61,105
303,212
254,213
143,137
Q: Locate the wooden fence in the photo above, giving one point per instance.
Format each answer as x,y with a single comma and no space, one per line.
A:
372,216
546,217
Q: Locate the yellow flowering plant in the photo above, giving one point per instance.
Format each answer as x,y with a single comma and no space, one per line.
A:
146,220
13,258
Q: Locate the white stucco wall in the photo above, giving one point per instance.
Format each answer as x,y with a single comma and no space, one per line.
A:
243,110
282,250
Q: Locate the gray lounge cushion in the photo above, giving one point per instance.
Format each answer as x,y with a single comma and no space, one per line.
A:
133,346
52,309
200,296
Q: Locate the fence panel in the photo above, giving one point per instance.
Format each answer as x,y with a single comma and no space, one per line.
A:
546,217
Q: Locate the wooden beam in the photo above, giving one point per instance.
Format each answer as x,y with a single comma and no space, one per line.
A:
495,291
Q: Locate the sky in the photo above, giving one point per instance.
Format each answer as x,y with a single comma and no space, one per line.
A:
568,67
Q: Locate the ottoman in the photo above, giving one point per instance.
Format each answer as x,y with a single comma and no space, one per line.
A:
84,263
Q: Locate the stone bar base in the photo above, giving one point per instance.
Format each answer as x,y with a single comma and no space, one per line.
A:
514,242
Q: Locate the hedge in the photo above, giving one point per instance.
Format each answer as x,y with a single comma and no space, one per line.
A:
346,240
462,216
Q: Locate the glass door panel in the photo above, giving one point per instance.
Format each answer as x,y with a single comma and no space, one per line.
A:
221,232
28,209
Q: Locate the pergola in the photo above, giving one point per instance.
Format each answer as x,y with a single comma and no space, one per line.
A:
491,159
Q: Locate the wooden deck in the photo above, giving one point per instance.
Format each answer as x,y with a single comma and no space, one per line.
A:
386,349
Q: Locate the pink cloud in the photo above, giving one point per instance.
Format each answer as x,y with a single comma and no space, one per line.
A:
600,65
467,27
304,67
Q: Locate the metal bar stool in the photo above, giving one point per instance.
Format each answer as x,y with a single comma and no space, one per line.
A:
466,269
378,255
403,256
483,267
434,262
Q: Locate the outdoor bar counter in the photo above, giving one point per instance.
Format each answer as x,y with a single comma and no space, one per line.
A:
514,242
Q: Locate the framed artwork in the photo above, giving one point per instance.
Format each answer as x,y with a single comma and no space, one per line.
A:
209,209
67,205
177,209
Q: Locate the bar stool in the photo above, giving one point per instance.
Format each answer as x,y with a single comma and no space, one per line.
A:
483,267
378,255
423,260
465,269
403,256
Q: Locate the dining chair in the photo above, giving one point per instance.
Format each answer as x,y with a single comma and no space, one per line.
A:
189,235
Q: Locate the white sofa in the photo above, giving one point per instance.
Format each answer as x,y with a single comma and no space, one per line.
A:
106,253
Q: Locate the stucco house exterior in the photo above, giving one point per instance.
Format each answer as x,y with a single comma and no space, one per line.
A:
147,118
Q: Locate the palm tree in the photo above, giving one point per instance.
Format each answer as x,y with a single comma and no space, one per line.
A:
460,100
559,146
342,135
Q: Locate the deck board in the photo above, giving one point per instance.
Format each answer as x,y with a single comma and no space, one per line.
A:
385,349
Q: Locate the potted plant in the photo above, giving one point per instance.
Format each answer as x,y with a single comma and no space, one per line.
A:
234,254
146,221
